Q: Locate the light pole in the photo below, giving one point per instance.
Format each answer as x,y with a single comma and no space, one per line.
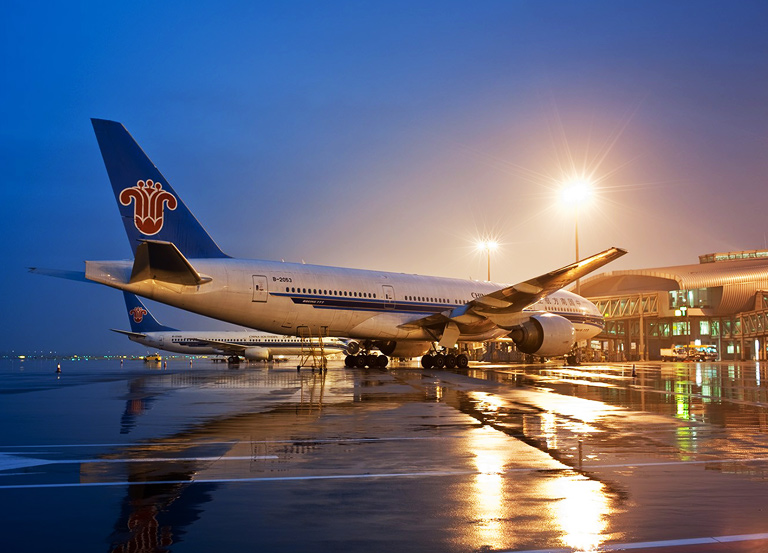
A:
487,245
576,192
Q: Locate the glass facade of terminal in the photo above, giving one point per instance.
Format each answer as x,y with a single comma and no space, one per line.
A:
640,326
698,298
646,314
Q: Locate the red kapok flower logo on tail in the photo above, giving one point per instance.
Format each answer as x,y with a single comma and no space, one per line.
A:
138,314
149,199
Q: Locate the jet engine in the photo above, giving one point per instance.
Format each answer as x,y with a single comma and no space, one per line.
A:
402,349
353,348
256,354
544,334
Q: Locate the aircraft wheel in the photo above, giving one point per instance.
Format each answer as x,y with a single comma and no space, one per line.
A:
350,362
427,361
361,361
372,361
439,361
450,361
462,361
382,361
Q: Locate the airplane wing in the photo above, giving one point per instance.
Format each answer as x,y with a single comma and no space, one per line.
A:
228,348
502,308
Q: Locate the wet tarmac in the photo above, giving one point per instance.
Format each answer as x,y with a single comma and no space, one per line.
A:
662,457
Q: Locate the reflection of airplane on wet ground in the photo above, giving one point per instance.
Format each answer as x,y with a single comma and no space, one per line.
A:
145,329
166,477
176,262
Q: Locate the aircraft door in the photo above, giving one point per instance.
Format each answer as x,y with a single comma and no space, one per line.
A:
259,288
389,296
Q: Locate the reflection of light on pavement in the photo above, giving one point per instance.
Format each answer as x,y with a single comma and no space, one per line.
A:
580,509
487,402
682,399
549,429
687,441
491,456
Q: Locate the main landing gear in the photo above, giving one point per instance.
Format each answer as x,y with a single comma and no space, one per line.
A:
440,360
359,356
366,360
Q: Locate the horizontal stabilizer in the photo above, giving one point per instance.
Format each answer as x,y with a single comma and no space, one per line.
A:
163,261
59,273
129,333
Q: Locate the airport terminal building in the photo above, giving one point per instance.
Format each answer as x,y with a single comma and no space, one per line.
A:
722,301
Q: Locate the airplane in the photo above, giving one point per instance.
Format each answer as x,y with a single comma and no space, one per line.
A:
176,262
146,330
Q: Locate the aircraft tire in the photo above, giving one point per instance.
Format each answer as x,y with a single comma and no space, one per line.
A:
450,361
427,361
462,361
382,361
350,362
439,361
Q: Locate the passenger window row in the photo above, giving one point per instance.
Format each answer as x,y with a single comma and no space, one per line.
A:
347,293
330,292
432,300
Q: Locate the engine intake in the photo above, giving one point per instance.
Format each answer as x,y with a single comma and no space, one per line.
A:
544,334
353,348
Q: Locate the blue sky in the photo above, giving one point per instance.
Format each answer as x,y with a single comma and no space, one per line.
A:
381,135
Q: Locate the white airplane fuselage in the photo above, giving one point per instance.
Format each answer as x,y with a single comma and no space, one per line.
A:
200,343
299,299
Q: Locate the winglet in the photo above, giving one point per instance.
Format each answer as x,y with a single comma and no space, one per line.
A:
148,204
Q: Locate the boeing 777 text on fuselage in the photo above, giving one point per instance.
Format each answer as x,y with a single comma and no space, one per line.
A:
177,263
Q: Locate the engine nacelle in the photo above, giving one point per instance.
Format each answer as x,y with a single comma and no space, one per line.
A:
544,334
353,348
257,354
407,348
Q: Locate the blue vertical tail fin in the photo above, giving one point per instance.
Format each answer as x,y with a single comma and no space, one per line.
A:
140,317
149,206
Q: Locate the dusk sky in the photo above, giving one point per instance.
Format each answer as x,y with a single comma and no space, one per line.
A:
377,135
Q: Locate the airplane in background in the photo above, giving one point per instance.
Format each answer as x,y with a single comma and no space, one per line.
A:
146,330
177,263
